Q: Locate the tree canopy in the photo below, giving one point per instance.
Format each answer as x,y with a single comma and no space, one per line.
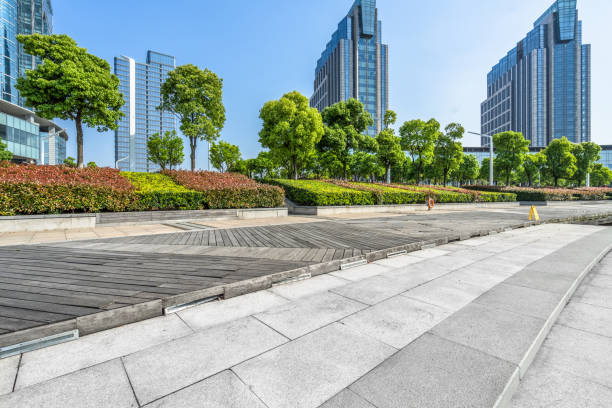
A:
70,84
448,151
586,154
4,154
195,96
510,150
345,124
224,156
291,129
418,139
468,169
560,162
165,150
533,165
600,175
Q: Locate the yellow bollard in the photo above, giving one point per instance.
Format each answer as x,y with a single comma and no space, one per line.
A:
533,214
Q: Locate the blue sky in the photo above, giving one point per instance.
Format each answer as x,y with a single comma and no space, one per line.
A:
440,52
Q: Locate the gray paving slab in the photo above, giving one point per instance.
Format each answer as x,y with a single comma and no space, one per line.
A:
214,313
223,390
373,290
400,261
446,292
308,314
347,399
583,354
362,272
499,333
308,287
601,280
594,295
396,321
519,299
545,386
433,372
8,372
429,253
590,318
51,362
103,385
544,281
166,368
310,370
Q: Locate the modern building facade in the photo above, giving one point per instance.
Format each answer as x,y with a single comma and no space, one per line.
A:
30,138
140,84
20,17
355,64
542,87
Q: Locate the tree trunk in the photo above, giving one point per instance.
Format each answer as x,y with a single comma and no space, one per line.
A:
345,170
193,145
388,173
556,182
508,177
295,170
445,178
79,130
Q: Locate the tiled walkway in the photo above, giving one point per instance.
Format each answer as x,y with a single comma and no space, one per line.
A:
447,326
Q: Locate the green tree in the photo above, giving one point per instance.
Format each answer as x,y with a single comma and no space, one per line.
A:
4,154
69,161
448,151
485,169
586,154
70,84
92,165
196,98
165,150
365,165
345,123
419,139
510,148
224,156
263,165
291,129
468,169
600,175
240,166
533,165
389,152
560,162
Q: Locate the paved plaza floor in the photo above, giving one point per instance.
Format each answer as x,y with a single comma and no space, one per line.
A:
59,276
457,325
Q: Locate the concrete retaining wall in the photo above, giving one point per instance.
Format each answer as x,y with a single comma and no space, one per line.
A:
37,223
402,208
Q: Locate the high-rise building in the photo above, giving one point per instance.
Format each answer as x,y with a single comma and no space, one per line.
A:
355,64
542,87
31,139
140,85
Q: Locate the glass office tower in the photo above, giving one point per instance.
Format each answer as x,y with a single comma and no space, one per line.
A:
355,64
140,85
542,87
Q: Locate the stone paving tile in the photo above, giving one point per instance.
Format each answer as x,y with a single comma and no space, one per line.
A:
601,280
399,261
160,370
223,390
499,333
347,399
396,321
445,292
429,253
544,386
583,354
519,299
103,385
594,295
375,289
308,287
433,372
362,272
308,314
310,370
214,313
544,281
50,362
8,371
590,318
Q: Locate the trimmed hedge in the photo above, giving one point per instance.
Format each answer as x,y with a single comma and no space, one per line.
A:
549,194
60,189
336,192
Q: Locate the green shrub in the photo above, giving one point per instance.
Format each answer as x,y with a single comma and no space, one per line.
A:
529,193
153,182
319,193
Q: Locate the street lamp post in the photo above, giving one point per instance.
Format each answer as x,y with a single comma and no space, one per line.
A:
120,160
490,154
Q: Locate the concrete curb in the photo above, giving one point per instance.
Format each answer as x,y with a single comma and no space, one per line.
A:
513,383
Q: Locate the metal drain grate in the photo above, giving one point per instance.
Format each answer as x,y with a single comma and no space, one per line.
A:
31,345
183,306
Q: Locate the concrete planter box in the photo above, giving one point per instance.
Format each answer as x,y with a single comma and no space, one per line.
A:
401,208
51,222
553,203
38,223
